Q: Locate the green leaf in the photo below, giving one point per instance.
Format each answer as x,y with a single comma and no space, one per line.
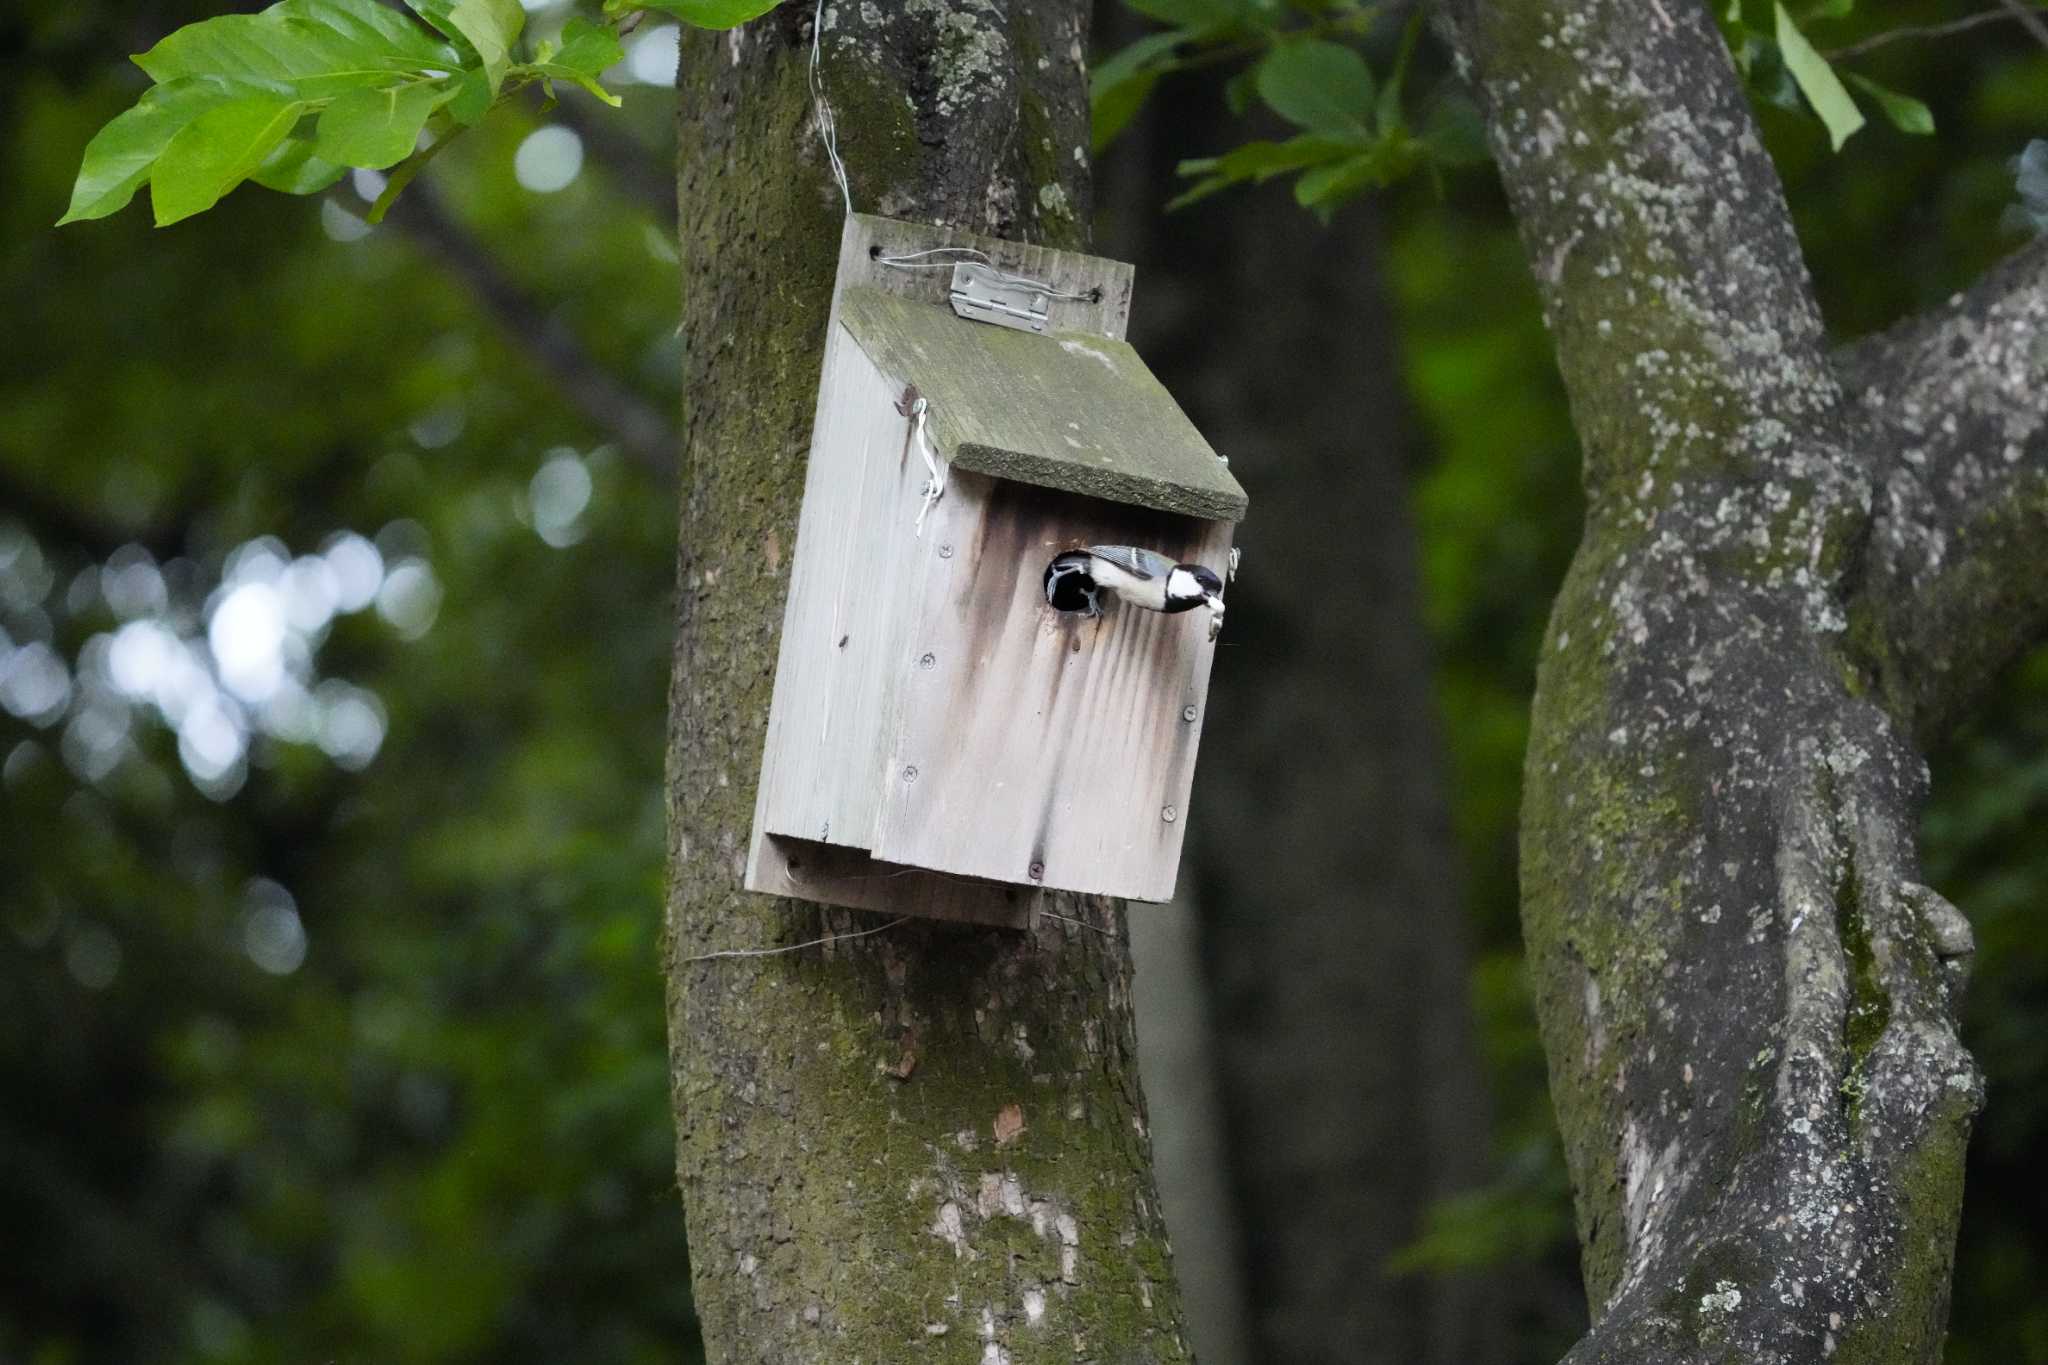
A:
1117,89
216,152
1322,86
1258,162
712,13
315,48
1907,114
1763,65
1131,61
1111,110
1817,81
1240,90
1453,133
1388,112
377,128
402,175
488,27
294,168
1322,190
472,98
118,158
587,51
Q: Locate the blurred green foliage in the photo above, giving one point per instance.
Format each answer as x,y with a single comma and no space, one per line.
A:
310,1063
328,1064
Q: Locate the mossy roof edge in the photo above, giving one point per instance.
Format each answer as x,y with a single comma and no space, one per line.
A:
1065,410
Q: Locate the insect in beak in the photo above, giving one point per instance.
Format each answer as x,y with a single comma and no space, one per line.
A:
1215,604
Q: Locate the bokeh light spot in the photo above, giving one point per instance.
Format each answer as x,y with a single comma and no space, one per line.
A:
559,492
272,933
247,635
93,957
352,724
358,570
410,598
34,683
549,159
652,58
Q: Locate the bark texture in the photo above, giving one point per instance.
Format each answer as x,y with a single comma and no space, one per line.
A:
1333,940
928,1142
1747,996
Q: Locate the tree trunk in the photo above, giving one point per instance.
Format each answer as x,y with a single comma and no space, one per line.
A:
1332,930
849,1150
1747,997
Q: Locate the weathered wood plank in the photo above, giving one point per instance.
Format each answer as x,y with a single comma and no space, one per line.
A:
849,612
870,240
846,876
1035,740
1062,410
856,565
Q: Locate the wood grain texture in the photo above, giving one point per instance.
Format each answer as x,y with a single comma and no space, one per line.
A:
1062,410
870,241
1037,739
854,585
850,609
847,876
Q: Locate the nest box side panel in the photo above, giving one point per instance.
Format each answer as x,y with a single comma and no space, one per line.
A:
848,612
1036,746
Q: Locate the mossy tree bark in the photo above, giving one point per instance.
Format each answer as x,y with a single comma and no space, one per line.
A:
1795,568
932,1137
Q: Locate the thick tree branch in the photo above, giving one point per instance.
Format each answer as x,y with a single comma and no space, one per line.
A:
1740,981
854,1190
1958,405
639,428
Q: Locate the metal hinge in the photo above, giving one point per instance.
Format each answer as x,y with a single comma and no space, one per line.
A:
986,294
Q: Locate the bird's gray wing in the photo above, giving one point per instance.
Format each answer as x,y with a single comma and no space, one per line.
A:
1134,561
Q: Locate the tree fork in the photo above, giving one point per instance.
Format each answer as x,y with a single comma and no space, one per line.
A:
1747,997
935,1131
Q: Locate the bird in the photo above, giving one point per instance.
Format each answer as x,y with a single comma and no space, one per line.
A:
1077,579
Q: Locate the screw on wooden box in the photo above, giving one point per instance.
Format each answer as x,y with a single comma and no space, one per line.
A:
942,742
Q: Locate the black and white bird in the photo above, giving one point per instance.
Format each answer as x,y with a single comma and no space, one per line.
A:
1076,580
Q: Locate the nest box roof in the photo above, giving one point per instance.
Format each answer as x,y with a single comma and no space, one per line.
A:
1065,410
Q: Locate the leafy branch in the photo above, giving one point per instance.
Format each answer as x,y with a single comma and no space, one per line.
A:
294,97
1301,63
1307,61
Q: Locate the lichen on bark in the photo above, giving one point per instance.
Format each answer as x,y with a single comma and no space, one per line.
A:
928,1141
1747,996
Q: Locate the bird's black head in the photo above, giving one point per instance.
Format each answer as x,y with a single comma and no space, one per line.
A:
1191,585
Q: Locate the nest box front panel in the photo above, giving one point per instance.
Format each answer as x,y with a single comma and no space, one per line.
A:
1037,746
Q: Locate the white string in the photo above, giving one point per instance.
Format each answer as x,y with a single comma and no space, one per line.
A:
828,128
828,134
935,484
794,947
903,262
957,254
1082,922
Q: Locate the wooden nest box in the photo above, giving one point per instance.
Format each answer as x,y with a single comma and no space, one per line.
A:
942,741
